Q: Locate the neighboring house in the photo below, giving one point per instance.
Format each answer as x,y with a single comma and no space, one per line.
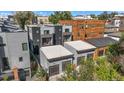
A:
81,50
85,29
14,52
81,17
111,28
101,45
54,59
43,20
8,26
121,23
115,36
51,35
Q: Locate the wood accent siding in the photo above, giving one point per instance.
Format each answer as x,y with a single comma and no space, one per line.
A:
85,29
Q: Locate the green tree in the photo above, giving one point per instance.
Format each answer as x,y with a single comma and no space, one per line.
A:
106,16
23,18
113,53
106,71
93,16
83,73
90,70
56,16
103,16
116,50
41,74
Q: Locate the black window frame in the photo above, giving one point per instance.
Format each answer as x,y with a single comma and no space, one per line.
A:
54,71
46,32
24,48
66,30
101,52
20,59
79,60
64,64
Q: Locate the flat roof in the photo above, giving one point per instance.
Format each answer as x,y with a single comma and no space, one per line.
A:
56,52
116,34
101,42
80,45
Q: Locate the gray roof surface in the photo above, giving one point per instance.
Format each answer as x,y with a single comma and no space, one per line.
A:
117,34
101,42
55,52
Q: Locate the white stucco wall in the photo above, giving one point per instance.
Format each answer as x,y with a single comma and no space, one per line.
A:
13,49
50,28
46,64
76,55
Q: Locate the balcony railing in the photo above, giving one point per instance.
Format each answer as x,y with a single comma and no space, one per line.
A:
67,33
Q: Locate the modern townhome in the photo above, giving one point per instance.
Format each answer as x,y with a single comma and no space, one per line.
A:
51,35
85,29
81,50
48,34
101,45
44,35
54,59
14,53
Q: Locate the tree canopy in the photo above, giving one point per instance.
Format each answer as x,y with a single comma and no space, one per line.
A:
90,70
23,18
106,16
56,16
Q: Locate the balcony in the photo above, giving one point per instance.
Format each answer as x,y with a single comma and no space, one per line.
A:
67,33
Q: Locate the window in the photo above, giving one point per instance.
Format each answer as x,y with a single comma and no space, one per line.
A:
24,46
46,41
46,32
53,70
78,33
20,59
5,64
81,26
80,59
85,35
65,64
101,52
67,30
89,56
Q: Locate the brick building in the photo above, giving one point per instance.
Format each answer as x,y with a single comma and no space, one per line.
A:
85,29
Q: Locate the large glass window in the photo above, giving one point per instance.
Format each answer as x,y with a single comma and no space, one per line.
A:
20,59
46,41
80,59
65,64
101,52
53,70
67,30
24,46
46,32
90,56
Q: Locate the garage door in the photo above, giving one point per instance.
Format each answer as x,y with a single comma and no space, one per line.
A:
53,70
